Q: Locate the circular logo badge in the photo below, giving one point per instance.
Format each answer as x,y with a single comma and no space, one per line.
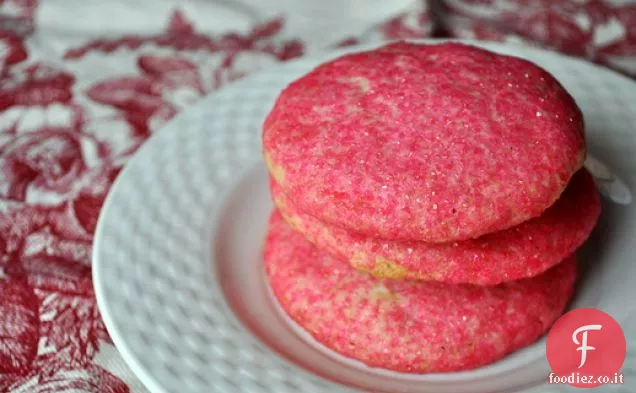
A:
586,348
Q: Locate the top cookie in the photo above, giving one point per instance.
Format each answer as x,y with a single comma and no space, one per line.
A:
432,143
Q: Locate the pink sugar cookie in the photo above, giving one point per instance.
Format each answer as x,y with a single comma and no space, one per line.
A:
519,252
408,326
430,143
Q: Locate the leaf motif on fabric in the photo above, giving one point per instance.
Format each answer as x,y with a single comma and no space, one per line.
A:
135,94
71,327
178,23
37,84
88,379
12,50
171,73
19,333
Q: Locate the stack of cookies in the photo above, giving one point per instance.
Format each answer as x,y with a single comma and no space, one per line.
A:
430,199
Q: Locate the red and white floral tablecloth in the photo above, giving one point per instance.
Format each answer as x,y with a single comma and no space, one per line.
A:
84,84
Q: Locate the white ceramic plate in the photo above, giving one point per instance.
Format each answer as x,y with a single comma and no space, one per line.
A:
177,252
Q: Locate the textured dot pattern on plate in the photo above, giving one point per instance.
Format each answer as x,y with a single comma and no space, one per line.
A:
424,142
153,267
409,326
523,251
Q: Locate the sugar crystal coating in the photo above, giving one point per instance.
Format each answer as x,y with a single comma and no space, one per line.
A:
429,143
408,326
519,252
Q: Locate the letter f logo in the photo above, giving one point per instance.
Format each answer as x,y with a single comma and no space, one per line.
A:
583,344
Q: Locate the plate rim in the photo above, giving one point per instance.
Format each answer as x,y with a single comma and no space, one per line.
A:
150,381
